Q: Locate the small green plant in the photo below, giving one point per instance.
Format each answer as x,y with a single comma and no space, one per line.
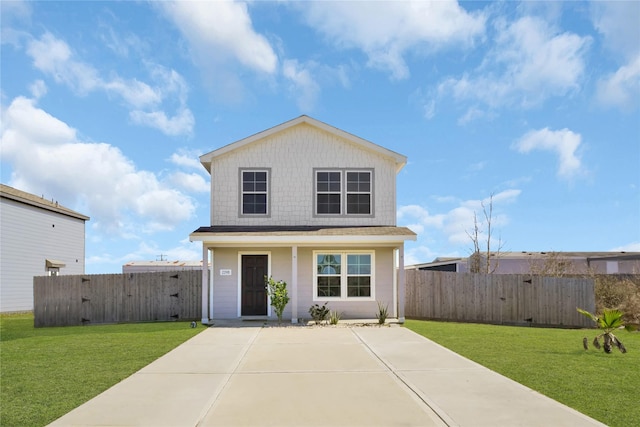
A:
319,313
609,321
383,313
334,317
278,295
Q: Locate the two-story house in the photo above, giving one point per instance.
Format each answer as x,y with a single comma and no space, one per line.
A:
309,204
39,238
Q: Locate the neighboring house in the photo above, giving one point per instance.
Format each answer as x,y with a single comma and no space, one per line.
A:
309,204
545,263
153,266
39,238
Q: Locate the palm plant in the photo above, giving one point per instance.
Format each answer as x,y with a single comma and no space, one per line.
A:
609,321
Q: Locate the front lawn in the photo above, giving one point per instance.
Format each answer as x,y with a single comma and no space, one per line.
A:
553,362
46,372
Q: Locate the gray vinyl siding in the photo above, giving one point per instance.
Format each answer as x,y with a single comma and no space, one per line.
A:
291,158
350,309
30,235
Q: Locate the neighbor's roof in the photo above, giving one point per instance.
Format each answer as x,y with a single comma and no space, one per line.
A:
164,264
591,256
399,159
285,235
39,202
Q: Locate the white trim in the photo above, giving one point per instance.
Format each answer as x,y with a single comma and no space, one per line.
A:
395,269
343,275
205,283
240,253
294,284
211,280
401,285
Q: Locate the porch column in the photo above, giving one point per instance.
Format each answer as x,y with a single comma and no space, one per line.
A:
401,284
205,284
294,284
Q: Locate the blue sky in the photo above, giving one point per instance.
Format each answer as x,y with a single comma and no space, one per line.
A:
106,107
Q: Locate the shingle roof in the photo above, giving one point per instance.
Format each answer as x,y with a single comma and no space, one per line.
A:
39,202
312,230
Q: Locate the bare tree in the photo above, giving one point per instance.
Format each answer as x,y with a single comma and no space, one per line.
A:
487,263
554,264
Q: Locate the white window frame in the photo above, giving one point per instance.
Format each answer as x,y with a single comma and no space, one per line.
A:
344,275
267,171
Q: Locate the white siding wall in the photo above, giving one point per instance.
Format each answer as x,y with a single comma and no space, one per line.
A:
31,235
292,155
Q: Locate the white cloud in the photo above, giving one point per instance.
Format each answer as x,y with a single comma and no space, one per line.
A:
457,222
148,251
181,123
529,63
303,86
417,212
187,158
629,247
621,88
419,254
192,182
38,89
222,30
54,57
388,31
564,143
618,22
47,157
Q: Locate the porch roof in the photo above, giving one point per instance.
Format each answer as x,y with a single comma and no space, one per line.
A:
301,235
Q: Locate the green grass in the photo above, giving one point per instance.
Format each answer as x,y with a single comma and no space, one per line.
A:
46,372
553,362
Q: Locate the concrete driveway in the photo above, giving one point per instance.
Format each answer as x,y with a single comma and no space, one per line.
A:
318,376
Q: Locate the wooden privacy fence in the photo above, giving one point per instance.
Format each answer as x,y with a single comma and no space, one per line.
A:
513,299
114,298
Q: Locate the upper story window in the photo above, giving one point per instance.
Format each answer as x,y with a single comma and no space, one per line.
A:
359,193
255,192
343,192
329,192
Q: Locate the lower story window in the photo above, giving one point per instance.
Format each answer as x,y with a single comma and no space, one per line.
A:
343,275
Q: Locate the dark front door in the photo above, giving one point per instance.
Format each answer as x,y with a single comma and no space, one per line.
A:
254,294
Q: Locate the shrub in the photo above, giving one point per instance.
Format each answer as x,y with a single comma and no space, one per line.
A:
319,313
383,313
334,317
619,293
278,295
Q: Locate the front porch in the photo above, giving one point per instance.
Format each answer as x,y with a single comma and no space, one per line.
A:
291,254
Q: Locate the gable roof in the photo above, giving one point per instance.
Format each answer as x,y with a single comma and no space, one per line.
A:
399,159
20,196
